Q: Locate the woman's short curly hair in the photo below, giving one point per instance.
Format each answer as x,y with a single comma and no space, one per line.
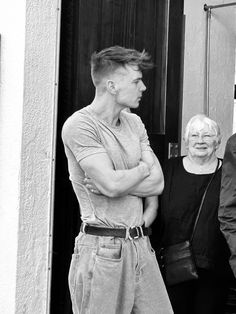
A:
206,120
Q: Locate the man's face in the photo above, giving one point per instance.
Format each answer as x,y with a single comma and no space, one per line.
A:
129,86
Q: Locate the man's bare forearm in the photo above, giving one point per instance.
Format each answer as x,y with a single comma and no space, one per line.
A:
150,210
120,182
144,180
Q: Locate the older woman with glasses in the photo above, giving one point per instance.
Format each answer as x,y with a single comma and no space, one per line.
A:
186,179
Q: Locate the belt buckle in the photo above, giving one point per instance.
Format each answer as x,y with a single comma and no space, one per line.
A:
139,231
138,235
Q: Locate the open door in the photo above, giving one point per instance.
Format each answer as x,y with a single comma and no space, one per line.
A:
89,25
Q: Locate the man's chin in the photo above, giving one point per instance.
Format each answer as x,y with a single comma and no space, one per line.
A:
136,105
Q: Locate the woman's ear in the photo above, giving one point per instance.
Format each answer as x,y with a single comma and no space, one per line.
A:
217,144
111,87
185,142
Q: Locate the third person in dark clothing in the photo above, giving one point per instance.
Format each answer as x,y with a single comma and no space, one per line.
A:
186,179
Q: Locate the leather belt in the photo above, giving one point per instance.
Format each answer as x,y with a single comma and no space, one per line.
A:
133,232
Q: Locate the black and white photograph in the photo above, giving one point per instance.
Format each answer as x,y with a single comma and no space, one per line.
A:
118,157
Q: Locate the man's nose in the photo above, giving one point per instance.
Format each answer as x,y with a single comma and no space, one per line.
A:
143,87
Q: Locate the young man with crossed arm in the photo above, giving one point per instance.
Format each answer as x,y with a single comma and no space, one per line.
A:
112,168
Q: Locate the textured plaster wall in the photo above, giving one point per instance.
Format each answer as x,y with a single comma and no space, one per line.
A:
11,104
37,158
222,69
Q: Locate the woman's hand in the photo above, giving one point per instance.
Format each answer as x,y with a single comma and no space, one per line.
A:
90,185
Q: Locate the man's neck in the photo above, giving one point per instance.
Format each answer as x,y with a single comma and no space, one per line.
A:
105,108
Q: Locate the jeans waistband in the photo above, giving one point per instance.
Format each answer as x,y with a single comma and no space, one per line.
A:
131,233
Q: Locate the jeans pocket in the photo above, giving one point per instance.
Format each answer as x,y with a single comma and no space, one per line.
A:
110,252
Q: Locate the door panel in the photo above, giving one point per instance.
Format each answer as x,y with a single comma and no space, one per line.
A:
86,26
133,23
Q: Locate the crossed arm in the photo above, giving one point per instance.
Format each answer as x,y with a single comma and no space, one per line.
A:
144,180
153,184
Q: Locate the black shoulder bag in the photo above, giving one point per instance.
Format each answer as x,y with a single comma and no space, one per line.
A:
178,259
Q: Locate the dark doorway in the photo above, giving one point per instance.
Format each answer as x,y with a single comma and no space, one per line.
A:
89,25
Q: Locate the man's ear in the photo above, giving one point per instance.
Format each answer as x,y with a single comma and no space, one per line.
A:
111,87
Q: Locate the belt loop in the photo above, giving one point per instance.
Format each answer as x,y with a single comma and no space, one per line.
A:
127,236
141,231
83,227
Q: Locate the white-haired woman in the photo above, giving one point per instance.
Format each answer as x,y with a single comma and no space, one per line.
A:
186,179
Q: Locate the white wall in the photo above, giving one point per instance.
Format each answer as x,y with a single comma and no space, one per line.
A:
38,156
222,60
12,30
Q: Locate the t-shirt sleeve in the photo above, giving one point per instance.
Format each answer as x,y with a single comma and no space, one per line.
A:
82,138
144,141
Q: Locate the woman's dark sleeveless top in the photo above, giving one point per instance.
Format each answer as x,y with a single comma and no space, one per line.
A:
179,205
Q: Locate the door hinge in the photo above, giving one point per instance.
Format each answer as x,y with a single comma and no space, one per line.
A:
173,150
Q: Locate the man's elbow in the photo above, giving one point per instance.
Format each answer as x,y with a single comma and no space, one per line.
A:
158,183
157,180
155,189
160,187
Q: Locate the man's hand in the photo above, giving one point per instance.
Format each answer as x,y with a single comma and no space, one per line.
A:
153,184
90,185
144,168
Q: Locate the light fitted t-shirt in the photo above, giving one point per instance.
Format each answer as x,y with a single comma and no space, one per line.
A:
83,134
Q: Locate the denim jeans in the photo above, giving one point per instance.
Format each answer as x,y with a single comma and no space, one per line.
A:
110,275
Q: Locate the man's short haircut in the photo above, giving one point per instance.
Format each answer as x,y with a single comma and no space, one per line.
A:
213,126
108,60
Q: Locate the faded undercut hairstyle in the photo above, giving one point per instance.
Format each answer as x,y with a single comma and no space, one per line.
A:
108,60
213,126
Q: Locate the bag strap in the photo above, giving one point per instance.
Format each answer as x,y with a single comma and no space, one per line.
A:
202,201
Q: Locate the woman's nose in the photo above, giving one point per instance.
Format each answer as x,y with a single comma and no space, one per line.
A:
200,138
